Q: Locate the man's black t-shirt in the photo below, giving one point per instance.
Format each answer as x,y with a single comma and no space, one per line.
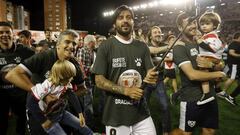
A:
114,58
182,54
231,59
41,64
10,59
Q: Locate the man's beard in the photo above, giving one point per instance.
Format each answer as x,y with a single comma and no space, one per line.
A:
123,33
158,41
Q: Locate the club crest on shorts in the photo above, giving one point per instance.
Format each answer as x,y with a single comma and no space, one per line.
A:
130,78
191,123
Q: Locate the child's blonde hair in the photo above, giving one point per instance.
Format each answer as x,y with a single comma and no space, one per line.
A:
211,17
62,71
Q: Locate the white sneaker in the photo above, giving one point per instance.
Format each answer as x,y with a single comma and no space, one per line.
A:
230,100
222,94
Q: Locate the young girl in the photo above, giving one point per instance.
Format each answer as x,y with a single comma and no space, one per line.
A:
211,47
55,88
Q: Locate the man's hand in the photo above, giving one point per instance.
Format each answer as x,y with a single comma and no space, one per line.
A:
81,120
82,90
47,124
151,77
54,106
133,92
5,70
202,62
221,74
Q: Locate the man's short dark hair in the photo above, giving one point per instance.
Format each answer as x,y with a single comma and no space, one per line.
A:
119,10
26,33
236,35
8,24
180,18
42,43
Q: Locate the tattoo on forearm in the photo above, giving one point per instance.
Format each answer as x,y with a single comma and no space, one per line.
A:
105,84
118,89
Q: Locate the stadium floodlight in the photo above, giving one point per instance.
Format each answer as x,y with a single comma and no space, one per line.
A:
105,14
109,13
152,4
222,4
136,8
172,2
143,6
212,7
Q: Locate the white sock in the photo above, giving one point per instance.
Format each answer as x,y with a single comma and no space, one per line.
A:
222,92
231,97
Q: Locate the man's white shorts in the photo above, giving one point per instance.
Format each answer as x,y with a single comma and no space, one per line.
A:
144,127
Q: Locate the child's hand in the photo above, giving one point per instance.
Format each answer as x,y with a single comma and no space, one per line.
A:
47,124
198,37
50,98
81,120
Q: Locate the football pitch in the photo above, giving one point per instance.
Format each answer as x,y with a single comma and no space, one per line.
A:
229,116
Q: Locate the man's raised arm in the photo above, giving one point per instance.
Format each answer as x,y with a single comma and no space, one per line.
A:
18,76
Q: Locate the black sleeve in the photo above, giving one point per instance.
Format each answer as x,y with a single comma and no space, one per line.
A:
233,46
37,62
73,100
79,78
206,47
180,54
25,52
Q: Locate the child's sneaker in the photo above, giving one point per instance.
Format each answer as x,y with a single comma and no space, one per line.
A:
205,99
231,100
222,94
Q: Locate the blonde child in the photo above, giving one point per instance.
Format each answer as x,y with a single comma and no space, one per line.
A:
55,88
210,46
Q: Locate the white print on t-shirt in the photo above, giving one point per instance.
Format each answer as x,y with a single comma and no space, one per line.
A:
3,61
119,62
193,52
123,102
130,78
18,59
138,62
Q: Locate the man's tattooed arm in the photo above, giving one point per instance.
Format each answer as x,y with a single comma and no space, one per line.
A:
106,84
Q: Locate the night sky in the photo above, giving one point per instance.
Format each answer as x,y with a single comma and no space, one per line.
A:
84,15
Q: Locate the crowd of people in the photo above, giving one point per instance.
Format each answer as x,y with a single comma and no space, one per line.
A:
51,85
